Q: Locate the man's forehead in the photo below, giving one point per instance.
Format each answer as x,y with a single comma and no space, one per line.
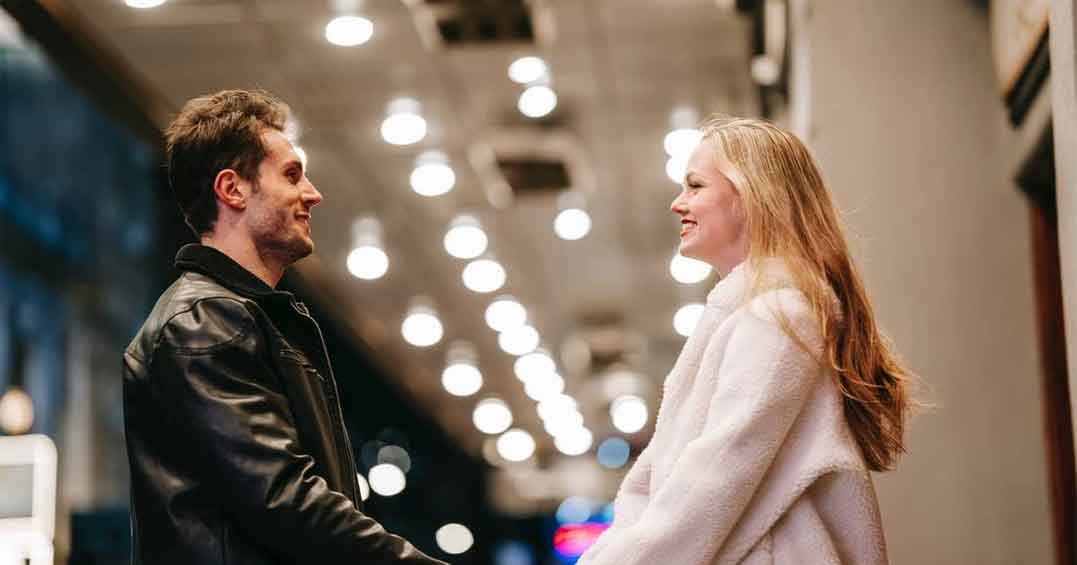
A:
278,146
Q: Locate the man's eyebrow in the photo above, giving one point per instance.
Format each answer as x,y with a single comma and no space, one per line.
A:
295,163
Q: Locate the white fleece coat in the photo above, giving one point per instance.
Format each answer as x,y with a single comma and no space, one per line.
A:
752,460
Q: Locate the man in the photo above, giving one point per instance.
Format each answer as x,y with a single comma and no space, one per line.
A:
237,446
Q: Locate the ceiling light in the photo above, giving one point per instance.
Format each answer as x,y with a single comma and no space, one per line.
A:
677,167
421,327
545,387
572,221
687,270
557,408
682,141
387,479
515,445
461,376
403,124
349,31
537,101
492,416
395,455
364,487
526,70
454,539
484,275
563,424
684,321
367,260
765,70
432,175
575,442
629,413
461,379
572,224
144,3
519,340
16,412
534,365
505,313
465,238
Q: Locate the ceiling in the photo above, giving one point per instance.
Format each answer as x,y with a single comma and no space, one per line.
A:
619,67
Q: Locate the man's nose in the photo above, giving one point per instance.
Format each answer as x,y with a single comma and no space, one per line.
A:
312,197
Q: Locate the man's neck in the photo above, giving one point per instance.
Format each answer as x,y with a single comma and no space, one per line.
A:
244,252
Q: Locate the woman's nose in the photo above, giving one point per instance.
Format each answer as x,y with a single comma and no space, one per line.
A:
677,206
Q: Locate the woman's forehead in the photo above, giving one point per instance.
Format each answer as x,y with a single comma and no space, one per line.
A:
707,158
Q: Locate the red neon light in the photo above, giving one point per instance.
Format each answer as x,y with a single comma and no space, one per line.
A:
571,540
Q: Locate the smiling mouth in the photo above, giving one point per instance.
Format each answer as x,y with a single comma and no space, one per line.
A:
686,225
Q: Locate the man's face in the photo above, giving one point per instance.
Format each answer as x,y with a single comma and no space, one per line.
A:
279,207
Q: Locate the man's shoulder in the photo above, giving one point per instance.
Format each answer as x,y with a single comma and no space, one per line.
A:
194,313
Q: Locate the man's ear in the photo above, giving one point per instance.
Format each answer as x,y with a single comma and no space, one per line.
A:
227,188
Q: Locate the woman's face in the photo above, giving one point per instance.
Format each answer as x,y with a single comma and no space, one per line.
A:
712,222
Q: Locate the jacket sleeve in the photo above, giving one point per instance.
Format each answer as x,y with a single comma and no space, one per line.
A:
763,382
225,410
631,500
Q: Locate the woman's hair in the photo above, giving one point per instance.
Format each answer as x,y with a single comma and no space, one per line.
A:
789,215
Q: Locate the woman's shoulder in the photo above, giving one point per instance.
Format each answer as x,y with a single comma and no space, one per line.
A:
771,305
784,313
773,310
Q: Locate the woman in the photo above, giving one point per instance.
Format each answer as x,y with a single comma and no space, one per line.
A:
784,397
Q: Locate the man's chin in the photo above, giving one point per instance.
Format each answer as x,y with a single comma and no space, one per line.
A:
304,249
298,249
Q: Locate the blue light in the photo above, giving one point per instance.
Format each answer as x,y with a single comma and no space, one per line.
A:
513,552
574,510
607,513
613,453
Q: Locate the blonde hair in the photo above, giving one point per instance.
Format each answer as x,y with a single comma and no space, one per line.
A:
789,215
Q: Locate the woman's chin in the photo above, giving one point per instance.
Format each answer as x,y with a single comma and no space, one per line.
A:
686,249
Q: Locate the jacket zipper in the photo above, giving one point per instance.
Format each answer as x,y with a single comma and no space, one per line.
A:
340,433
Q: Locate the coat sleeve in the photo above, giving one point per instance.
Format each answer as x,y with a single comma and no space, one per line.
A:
763,382
225,411
631,500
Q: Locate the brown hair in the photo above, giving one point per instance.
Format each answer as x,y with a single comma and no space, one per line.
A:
789,215
213,133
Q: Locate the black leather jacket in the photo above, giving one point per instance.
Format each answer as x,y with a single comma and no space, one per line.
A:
237,446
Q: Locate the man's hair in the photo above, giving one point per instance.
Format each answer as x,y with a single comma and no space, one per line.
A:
212,133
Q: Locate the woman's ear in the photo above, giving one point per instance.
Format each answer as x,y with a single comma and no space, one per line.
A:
226,188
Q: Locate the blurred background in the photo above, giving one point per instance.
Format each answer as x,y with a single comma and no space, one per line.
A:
496,266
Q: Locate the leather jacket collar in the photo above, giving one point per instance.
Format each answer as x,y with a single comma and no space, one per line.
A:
223,269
